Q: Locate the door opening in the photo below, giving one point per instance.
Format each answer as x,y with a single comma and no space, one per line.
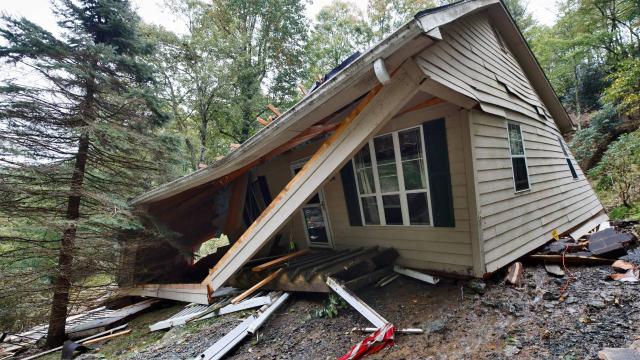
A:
314,216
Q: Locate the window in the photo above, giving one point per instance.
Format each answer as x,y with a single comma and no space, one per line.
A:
574,174
391,177
518,159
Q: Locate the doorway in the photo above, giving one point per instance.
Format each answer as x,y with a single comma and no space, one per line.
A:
314,216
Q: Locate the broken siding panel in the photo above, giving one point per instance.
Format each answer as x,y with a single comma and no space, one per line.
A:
513,222
507,68
530,239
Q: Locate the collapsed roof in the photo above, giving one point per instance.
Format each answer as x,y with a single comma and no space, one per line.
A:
357,78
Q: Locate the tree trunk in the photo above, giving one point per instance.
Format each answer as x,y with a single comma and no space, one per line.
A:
62,282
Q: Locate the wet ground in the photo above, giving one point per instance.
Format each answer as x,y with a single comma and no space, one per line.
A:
531,322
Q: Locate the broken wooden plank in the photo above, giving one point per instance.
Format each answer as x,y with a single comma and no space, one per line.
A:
623,265
589,225
189,293
416,275
278,261
106,337
371,113
50,351
274,110
257,286
571,259
117,315
365,310
515,274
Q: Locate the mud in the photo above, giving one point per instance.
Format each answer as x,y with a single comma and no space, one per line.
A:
531,322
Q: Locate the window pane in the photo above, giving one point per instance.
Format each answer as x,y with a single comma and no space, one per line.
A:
418,208
412,159
414,175
520,173
364,171
572,169
564,151
385,156
410,144
515,140
370,210
392,210
314,220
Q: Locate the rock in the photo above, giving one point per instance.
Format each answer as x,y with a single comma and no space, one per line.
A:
635,345
618,354
511,350
435,327
550,295
477,286
554,270
571,300
597,304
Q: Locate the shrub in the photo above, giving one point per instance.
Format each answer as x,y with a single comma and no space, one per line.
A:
619,168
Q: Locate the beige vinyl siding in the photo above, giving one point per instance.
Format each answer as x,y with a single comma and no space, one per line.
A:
470,59
513,224
421,247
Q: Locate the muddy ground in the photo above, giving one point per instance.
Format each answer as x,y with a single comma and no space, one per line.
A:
531,322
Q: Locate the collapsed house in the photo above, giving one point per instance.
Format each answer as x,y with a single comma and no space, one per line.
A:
443,142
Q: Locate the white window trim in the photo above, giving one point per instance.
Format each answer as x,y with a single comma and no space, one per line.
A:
400,173
567,158
323,207
524,156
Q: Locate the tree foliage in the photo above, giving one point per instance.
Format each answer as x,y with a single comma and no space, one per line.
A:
77,143
619,169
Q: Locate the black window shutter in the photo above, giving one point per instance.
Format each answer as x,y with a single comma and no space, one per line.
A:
264,189
351,194
435,138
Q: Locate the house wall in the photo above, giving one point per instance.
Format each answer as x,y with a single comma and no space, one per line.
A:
514,224
422,247
472,60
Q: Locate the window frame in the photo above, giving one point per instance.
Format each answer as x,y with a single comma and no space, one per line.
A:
402,191
523,156
567,158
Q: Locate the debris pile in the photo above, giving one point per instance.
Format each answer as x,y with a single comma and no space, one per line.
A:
600,247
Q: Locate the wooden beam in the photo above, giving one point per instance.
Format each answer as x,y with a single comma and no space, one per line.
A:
365,120
274,110
425,104
107,337
257,286
365,310
236,204
278,261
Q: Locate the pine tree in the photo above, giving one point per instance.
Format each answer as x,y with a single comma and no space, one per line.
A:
76,141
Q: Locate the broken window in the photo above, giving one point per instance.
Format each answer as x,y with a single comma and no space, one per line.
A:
391,174
518,158
574,174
